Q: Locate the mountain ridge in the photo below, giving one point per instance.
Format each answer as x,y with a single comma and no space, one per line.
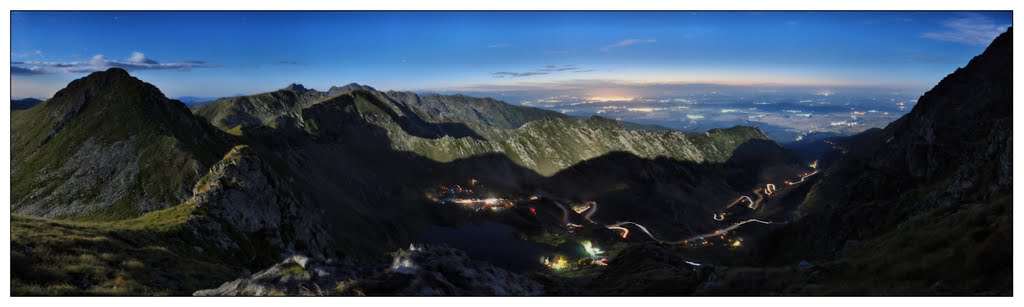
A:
118,144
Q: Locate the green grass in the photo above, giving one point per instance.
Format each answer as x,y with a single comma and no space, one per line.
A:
153,254
236,131
966,248
161,138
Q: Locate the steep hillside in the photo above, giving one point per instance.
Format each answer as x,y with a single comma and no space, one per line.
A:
550,145
243,215
108,146
438,108
922,206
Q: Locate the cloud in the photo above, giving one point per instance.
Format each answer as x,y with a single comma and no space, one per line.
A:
628,42
46,64
546,70
21,71
504,74
288,62
498,45
972,30
138,57
558,68
137,61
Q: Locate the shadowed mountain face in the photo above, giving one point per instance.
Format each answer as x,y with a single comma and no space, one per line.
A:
922,206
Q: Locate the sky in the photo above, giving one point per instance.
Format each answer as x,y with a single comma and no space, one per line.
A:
216,54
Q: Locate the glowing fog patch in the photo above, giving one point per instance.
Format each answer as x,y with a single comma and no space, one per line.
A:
593,251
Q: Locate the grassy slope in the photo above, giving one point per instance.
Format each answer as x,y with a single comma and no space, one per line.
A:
959,248
550,145
171,146
153,254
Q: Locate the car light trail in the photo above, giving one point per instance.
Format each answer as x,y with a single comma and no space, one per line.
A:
724,230
565,213
802,177
718,232
739,200
753,205
593,209
642,228
626,231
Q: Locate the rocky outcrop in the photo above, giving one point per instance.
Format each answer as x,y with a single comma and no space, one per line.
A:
245,206
416,271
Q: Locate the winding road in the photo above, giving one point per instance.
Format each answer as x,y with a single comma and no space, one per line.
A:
687,240
802,177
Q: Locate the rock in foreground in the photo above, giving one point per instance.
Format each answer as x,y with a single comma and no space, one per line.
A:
418,271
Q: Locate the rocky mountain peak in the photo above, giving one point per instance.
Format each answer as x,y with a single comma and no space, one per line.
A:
295,87
338,90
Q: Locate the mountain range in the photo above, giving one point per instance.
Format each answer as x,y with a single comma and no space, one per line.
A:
117,189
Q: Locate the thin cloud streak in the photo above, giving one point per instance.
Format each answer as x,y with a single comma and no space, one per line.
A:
137,61
547,69
975,30
628,42
20,71
506,74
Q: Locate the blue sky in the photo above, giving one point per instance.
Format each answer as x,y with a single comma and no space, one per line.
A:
214,54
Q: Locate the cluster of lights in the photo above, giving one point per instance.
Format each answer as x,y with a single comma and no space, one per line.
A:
609,99
556,262
595,256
